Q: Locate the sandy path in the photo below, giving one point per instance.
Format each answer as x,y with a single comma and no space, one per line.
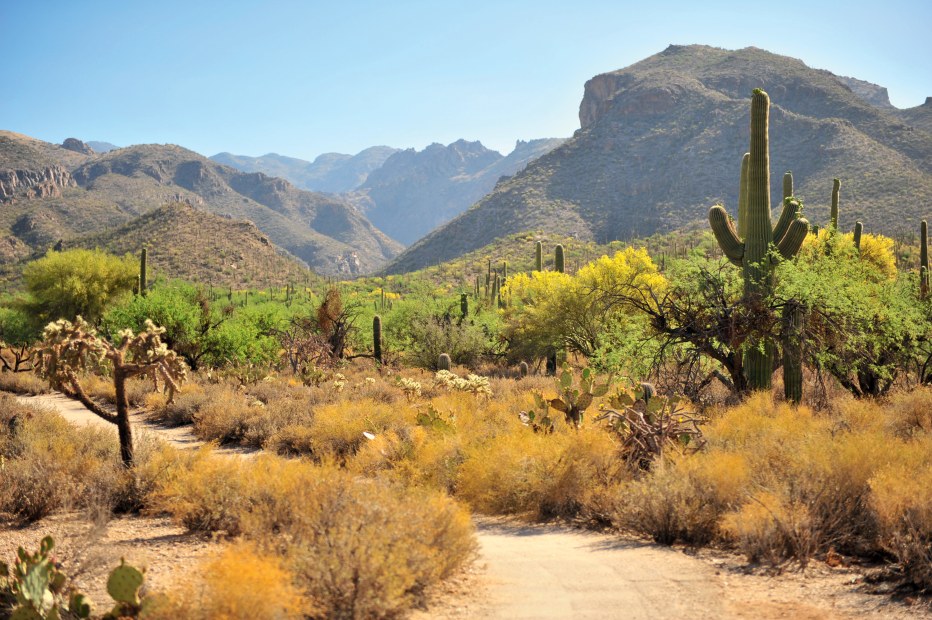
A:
555,572
73,411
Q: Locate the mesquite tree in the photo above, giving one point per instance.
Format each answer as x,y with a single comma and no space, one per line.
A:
70,348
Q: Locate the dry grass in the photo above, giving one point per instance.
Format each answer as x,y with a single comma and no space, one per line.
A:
239,583
360,548
23,383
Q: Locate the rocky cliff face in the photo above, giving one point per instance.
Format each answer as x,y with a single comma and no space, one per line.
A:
73,144
44,183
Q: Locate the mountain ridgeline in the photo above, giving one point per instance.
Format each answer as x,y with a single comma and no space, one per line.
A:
661,141
54,193
408,193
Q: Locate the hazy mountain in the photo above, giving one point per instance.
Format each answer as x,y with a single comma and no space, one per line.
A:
331,172
57,193
416,191
101,147
661,141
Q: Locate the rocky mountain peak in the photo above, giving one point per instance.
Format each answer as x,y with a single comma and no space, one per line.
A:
73,144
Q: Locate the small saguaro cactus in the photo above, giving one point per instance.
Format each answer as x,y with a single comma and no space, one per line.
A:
377,338
858,230
464,305
836,190
558,258
538,256
444,362
142,272
752,253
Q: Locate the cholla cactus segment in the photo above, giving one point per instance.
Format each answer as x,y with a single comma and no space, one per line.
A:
410,387
474,384
68,348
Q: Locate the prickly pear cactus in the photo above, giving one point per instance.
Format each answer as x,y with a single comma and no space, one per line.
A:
124,583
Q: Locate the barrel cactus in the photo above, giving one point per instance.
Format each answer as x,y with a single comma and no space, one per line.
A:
753,252
444,362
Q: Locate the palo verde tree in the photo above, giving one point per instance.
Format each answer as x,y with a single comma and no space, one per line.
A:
64,285
70,348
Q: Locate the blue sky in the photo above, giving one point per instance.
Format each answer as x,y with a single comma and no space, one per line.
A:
304,78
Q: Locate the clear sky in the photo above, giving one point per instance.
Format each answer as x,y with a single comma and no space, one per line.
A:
304,78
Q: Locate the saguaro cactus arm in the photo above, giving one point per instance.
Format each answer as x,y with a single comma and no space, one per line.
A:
724,229
791,209
743,197
793,239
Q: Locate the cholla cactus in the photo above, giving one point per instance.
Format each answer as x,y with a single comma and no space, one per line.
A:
69,348
474,384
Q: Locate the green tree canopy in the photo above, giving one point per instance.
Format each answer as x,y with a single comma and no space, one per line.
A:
64,285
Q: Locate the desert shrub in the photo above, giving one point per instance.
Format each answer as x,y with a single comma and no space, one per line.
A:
546,475
769,528
337,431
278,415
292,440
911,412
683,498
184,407
23,383
238,583
226,416
901,498
361,549
50,465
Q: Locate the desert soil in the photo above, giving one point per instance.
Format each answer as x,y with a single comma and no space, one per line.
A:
522,571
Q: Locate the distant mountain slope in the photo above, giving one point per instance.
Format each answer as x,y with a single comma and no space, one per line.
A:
186,243
334,173
661,141
74,194
416,191
101,147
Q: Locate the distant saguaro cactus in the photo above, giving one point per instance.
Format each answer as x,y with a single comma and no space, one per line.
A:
559,258
142,272
539,256
858,230
836,190
923,259
377,338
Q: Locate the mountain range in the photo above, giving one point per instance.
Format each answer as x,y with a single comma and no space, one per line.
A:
661,141
405,193
51,192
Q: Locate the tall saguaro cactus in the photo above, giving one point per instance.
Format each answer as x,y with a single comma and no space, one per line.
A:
539,256
559,258
923,259
752,253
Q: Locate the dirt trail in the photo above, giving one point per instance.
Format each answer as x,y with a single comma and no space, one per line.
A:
73,411
549,571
